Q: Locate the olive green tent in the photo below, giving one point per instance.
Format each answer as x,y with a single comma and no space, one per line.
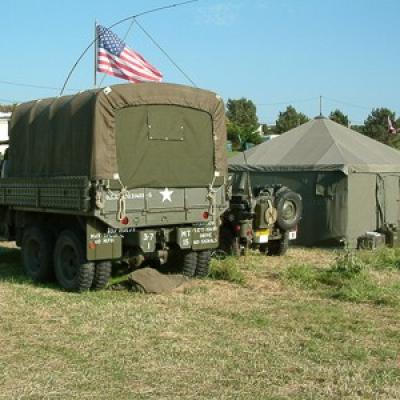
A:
349,182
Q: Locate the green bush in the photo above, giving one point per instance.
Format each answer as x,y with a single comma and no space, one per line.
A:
301,276
348,264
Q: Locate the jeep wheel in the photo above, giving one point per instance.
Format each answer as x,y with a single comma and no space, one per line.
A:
37,254
189,261
102,273
203,263
72,270
278,247
290,208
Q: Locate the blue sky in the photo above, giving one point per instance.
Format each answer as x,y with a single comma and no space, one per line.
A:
269,51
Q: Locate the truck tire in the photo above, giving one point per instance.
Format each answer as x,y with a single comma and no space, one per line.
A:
290,208
102,274
203,263
278,247
189,263
72,270
37,254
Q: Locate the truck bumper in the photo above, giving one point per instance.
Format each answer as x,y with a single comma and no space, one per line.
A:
107,244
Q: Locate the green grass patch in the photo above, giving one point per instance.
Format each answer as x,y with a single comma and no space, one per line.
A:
348,279
213,340
232,153
227,270
382,259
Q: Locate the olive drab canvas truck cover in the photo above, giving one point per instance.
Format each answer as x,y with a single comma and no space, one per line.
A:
120,133
144,165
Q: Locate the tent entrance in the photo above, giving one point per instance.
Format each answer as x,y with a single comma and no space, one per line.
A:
388,200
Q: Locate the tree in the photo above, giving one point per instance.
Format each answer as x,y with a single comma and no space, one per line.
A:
234,133
376,126
242,121
7,108
289,119
339,117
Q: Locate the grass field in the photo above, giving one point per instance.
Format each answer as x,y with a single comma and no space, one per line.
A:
303,326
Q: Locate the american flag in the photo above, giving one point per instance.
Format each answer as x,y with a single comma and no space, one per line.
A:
115,58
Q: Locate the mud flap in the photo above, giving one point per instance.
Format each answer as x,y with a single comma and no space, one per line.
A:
205,237
100,244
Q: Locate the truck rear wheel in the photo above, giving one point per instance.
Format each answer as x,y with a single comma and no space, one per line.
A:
203,263
37,252
72,270
102,274
189,263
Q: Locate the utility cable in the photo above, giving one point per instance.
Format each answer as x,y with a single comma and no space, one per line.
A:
288,102
9,101
29,85
347,103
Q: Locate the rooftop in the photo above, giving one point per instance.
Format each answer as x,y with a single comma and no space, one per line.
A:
5,115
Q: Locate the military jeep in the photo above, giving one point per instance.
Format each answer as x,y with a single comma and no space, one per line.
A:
263,218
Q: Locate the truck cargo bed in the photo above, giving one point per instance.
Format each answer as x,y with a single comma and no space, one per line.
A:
64,193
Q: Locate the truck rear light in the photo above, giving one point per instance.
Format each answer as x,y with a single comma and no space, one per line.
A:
237,228
92,245
206,214
124,221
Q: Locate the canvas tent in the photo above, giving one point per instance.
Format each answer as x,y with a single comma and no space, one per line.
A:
350,183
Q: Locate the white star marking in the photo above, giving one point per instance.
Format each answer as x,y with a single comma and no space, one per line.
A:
166,195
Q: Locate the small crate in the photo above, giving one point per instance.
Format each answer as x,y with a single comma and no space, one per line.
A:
371,241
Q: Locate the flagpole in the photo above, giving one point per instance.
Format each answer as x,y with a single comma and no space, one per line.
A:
153,10
95,55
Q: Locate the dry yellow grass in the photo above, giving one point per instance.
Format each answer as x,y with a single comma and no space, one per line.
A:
212,340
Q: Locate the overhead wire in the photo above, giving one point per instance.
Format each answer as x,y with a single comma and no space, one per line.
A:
288,102
346,103
9,101
33,86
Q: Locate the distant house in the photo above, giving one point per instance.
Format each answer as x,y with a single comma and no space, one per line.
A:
4,118
269,137
267,132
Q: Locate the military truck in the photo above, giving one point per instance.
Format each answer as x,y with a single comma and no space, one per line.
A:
130,172
263,218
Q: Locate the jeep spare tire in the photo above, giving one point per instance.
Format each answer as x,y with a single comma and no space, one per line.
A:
290,208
